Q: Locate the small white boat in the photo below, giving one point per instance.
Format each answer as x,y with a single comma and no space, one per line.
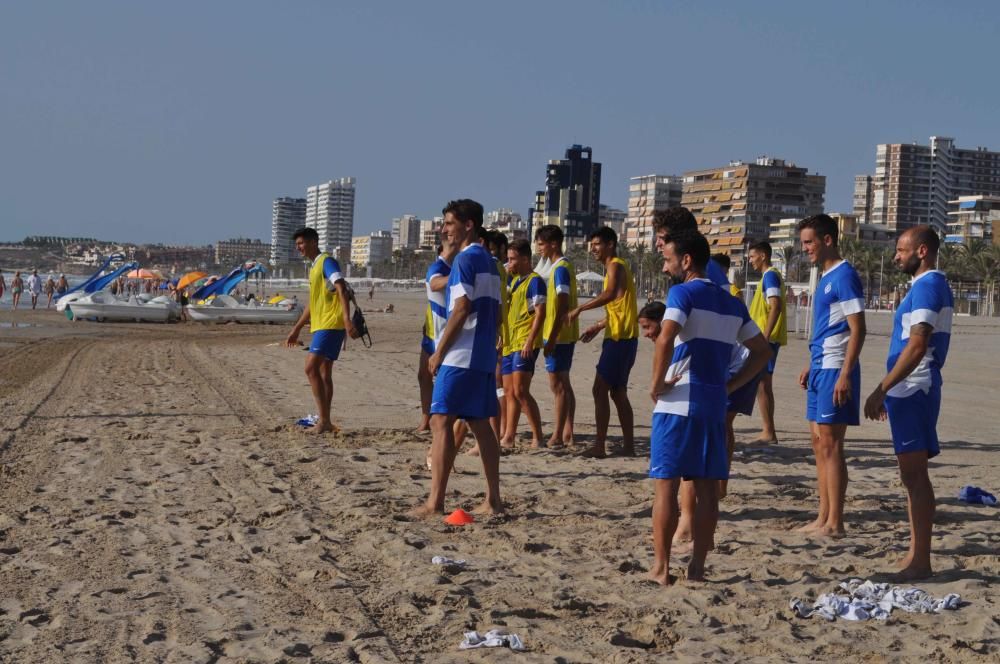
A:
103,305
226,308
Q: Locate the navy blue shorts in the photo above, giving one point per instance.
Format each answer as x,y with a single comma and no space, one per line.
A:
427,345
773,360
327,343
913,422
741,401
516,362
819,398
617,359
465,393
561,358
688,447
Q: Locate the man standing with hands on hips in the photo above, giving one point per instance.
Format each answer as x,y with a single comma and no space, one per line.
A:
910,394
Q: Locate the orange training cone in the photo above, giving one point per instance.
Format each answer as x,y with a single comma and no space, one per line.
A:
459,518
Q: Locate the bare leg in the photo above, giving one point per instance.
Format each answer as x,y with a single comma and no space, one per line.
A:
442,458
920,500
626,418
765,403
705,520
602,417
823,514
831,446
559,396
512,412
318,383
498,421
730,447
527,403
426,382
683,534
489,452
664,524
568,428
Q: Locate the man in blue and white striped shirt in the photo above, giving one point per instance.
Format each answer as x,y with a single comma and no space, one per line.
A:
465,358
691,382
832,379
910,393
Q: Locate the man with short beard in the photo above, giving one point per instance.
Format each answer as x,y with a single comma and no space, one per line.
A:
910,394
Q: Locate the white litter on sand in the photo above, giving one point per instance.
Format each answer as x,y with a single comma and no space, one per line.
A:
492,639
865,600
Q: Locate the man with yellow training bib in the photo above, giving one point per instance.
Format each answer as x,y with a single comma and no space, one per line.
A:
621,340
329,317
525,319
767,309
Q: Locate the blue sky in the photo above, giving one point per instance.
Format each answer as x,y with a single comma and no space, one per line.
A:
180,121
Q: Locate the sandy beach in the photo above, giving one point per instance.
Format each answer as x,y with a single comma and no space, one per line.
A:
157,504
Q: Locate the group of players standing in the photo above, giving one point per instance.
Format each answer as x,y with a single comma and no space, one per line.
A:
484,331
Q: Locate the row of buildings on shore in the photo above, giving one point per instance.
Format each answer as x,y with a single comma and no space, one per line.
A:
955,190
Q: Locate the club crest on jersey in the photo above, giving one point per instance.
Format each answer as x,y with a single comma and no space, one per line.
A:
828,288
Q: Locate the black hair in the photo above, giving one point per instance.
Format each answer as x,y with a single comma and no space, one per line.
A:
498,238
763,247
440,248
522,247
724,261
465,210
653,311
306,234
925,235
693,244
549,233
604,234
674,220
822,225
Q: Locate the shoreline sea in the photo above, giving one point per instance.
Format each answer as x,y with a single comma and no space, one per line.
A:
158,504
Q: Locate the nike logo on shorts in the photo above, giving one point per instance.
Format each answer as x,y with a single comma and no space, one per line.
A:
829,414
909,442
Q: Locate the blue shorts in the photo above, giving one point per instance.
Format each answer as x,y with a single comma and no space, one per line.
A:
819,398
327,343
617,358
913,421
688,447
561,359
741,401
773,360
427,345
465,393
516,362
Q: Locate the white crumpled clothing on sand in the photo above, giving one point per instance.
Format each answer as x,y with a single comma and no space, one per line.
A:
866,600
492,639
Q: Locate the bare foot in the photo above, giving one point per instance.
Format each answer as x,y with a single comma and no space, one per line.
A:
660,575
810,527
538,445
696,571
555,444
507,444
487,507
829,531
905,561
322,427
764,440
425,511
473,451
568,440
595,451
626,451
681,547
913,573
422,430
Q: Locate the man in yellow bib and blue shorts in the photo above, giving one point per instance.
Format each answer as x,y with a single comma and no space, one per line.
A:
329,317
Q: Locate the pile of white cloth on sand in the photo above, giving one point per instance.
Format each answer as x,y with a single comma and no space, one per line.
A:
864,600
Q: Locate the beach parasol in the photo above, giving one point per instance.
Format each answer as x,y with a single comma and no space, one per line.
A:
143,274
190,278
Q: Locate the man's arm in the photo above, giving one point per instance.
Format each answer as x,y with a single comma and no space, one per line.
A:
456,320
345,308
662,354
842,390
592,331
438,282
616,284
760,354
293,336
536,328
774,305
906,363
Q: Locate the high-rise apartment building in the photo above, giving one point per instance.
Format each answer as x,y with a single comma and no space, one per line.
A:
648,194
572,195
371,249
241,250
430,232
330,210
613,218
913,183
737,204
287,216
862,207
405,232
508,222
973,218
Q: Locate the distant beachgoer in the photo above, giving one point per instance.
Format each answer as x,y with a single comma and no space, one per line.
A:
62,285
3,285
329,317
16,288
34,287
49,290
371,292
